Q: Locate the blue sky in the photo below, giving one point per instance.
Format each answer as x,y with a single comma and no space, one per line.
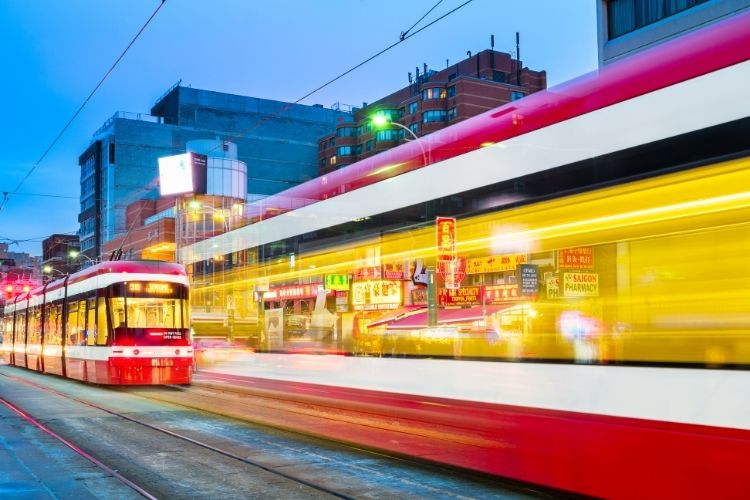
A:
54,53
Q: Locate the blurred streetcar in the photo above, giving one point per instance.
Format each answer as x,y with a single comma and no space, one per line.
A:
601,242
115,322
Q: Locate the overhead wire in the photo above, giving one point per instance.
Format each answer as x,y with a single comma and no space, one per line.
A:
404,36
401,40
7,195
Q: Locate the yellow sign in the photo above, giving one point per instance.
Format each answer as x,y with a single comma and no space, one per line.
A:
580,284
495,263
150,288
376,292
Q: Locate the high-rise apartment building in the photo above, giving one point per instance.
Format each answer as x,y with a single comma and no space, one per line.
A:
625,27
276,140
432,100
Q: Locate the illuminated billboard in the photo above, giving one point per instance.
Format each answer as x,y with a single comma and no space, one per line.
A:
185,173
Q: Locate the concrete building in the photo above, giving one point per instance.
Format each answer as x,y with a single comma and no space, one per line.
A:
625,27
276,140
433,100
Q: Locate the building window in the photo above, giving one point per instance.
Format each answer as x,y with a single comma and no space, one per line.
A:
344,151
498,76
332,142
451,114
332,160
451,77
111,153
357,150
451,91
414,127
322,162
413,106
433,93
516,95
625,16
345,132
435,115
390,114
368,145
389,135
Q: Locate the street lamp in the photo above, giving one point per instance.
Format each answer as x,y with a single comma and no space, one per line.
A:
381,120
48,270
74,254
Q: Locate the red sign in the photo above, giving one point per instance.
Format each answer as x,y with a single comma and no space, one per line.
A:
465,296
499,294
446,238
576,258
394,271
368,273
307,291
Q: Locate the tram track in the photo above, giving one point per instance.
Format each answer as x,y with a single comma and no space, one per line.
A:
32,421
175,435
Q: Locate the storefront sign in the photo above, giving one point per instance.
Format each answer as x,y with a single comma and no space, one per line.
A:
495,263
337,282
576,258
553,287
499,294
368,273
580,284
446,238
465,296
395,270
342,301
379,294
528,277
307,291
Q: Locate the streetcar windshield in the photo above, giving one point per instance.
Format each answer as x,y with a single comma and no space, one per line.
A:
148,312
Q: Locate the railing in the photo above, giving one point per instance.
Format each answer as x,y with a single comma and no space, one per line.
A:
127,115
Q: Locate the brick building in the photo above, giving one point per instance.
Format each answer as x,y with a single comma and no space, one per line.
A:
433,100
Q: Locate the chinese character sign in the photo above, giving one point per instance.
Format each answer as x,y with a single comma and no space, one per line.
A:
446,238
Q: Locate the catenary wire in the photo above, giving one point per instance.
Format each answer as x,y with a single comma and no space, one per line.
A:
80,108
405,35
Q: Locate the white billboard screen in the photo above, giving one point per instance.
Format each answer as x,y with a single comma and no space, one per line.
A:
176,174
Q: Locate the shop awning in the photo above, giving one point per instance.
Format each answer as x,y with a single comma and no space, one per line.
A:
396,315
447,316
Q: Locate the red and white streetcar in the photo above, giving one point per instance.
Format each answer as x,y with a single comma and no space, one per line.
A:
117,322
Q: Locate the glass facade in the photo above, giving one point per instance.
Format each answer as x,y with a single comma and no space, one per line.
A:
625,16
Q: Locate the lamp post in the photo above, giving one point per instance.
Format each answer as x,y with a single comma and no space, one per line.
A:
382,120
75,254
48,271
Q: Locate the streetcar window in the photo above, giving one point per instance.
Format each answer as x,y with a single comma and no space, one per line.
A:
154,312
52,324
101,315
118,312
34,330
76,322
91,323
